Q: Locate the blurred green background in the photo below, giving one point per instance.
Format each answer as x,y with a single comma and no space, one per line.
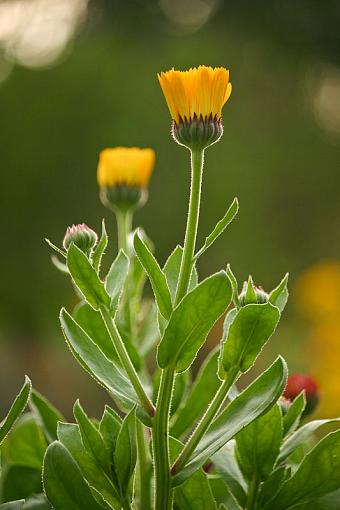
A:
77,76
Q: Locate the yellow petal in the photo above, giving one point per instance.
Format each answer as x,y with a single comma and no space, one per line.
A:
202,91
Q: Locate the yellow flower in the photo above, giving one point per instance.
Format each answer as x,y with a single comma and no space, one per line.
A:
199,92
125,166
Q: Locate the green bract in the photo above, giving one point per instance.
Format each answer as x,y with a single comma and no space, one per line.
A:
173,438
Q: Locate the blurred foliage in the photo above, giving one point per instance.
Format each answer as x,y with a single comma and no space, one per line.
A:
280,152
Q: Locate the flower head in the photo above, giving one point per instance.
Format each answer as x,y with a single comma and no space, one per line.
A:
201,91
123,175
252,294
82,236
195,99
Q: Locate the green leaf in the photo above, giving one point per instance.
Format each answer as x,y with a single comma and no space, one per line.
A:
13,505
172,269
219,228
234,285
115,279
292,418
192,320
109,428
100,248
258,445
156,276
47,415
92,358
195,493
86,278
226,466
222,494
279,295
250,293
19,482
247,334
181,385
26,445
329,502
63,482
125,456
246,407
148,332
271,486
201,393
16,410
59,265
69,435
92,323
37,502
55,248
302,435
317,475
91,437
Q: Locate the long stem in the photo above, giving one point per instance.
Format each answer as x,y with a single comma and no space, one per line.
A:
160,435
252,493
204,424
163,493
124,224
144,467
197,159
126,361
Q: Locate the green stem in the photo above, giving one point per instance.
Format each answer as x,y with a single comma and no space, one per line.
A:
206,421
160,436
126,361
144,468
124,223
252,493
197,159
163,491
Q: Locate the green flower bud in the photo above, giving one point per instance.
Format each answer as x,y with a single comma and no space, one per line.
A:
123,198
198,132
82,236
251,294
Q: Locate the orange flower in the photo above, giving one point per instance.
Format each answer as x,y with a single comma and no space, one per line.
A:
200,92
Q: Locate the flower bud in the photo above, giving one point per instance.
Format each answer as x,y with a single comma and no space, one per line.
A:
195,100
251,294
123,176
198,133
82,236
297,383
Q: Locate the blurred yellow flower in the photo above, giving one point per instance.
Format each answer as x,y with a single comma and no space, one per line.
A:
318,290
199,92
317,296
125,166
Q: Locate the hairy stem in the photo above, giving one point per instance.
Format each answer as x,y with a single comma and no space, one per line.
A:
126,361
163,491
124,224
206,421
197,159
160,434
